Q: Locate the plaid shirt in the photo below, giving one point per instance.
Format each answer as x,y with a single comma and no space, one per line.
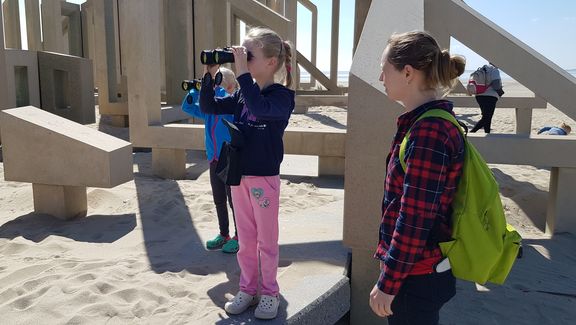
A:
416,206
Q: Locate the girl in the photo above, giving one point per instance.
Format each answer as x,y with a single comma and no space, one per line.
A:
215,134
261,111
416,204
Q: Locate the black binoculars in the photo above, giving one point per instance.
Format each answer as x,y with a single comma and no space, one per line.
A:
219,56
188,85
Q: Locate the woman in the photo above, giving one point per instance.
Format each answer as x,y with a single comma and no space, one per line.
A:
416,205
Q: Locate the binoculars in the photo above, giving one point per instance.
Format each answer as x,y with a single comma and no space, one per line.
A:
219,56
188,85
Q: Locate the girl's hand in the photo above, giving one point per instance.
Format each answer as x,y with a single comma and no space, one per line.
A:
381,302
212,69
240,59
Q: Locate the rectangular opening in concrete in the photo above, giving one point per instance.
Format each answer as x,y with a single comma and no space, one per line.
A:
61,89
22,91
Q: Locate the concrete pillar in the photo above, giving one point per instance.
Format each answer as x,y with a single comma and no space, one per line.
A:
87,17
110,79
291,12
3,71
63,202
73,34
561,203
211,21
11,10
523,121
361,283
179,47
140,27
371,127
33,31
52,20
169,163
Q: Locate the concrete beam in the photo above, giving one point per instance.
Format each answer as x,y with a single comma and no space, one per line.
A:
561,203
67,84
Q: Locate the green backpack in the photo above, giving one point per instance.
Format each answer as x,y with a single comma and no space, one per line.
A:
484,246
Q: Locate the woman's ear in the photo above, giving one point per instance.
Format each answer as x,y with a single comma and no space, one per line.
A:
409,73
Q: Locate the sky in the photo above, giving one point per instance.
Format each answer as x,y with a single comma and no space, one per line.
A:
547,26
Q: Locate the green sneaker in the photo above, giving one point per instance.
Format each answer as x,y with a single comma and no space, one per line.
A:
217,242
231,246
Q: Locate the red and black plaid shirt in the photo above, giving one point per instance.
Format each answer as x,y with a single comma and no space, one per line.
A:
416,206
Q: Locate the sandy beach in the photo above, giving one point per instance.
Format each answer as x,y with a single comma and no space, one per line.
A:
139,258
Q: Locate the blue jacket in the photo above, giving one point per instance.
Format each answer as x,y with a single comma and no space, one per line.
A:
261,115
552,130
215,131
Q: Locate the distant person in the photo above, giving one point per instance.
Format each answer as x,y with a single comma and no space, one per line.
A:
215,134
563,129
261,108
416,208
487,99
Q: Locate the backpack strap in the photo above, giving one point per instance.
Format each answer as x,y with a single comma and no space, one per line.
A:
435,112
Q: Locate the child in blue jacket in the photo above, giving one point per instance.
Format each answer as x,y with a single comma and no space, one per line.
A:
216,133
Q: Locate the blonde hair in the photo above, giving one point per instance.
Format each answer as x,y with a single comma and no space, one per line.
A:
274,47
421,51
228,77
566,128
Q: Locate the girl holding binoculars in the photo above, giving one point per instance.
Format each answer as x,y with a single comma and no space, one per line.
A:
261,110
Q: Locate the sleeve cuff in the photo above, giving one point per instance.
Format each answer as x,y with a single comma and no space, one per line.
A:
245,79
388,286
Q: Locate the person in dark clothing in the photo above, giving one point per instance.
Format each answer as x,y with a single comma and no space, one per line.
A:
488,99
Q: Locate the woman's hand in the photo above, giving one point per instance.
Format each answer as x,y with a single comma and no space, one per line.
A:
240,59
381,302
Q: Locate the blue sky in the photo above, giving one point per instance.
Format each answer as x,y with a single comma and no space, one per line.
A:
548,26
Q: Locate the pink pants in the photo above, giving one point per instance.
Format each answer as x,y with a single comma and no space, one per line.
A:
256,203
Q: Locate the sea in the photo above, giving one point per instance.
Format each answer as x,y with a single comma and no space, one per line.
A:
343,76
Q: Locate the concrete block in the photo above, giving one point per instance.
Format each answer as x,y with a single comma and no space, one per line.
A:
67,85
42,148
23,84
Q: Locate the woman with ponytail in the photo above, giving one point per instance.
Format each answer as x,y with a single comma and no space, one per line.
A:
414,279
261,110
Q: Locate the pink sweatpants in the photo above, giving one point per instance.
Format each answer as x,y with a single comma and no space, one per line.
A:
256,203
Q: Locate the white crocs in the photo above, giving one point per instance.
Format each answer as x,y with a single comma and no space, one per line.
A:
267,308
240,303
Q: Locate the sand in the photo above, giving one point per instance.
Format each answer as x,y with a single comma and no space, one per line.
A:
138,258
